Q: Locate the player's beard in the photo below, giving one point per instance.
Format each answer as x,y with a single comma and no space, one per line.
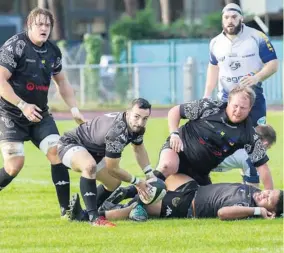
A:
236,30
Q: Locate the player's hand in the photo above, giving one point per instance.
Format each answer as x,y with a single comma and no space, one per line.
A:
176,143
266,214
78,117
142,188
249,80
31,112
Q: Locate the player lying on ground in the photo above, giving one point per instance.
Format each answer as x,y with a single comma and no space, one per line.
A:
186,199
94,149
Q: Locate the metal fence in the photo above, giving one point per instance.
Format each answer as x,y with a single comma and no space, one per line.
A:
161,84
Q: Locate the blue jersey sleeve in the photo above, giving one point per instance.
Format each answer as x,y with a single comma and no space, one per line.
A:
266,50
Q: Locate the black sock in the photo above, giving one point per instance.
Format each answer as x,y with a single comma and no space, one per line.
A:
102,194
61,180
88,189
131,192
5,179
159,174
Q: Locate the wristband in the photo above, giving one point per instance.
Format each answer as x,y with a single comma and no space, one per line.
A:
135,180
21,105
74,110
257,211
148,171
174,132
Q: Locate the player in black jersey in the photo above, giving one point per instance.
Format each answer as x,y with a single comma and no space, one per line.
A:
215,130
28,62
94,149
186,199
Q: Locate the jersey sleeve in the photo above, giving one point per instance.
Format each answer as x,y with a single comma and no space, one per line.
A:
114,147
266,50
138,140
212,57
58,61
11,52
199,108
256,150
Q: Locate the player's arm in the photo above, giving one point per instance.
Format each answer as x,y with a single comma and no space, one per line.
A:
265,176
241,212
142,159
112,165
212,71
67,93
268,70
211,79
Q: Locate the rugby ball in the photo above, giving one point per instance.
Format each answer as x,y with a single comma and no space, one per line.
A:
157,191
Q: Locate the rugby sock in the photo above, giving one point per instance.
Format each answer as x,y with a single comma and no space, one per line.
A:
159,174
5,179
61,180
102,194
88,189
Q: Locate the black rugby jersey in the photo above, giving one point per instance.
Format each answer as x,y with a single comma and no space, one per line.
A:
210,198
32,68
107,135
209,137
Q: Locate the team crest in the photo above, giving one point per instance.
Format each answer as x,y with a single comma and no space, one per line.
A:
175,201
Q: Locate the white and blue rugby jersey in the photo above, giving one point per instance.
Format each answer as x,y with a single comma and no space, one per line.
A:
244,55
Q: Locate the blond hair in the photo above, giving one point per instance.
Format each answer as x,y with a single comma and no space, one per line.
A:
246,90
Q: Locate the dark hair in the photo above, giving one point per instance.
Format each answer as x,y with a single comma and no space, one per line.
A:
266,133
141,103
38,11
279,205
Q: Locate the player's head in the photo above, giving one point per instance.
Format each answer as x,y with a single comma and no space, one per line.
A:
272,200
232,18
267,135
241,99
39,24
138,114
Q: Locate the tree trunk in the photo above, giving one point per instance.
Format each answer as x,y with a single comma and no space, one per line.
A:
232,1
131,7
55,6
165,12
42,4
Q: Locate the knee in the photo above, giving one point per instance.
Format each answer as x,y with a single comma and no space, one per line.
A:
49,145
13,156
52,155
168,168
89,169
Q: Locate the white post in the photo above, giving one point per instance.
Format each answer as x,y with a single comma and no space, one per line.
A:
82,86
136,82
188,80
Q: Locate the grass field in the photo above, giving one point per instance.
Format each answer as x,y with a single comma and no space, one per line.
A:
29,214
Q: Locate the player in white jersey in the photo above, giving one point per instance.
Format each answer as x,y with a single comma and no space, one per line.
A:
240,55
240,160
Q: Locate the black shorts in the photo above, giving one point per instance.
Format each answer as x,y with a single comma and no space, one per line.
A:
184,168
70,140
14,130
176,203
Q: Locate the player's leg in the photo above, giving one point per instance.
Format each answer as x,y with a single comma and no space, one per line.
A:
258,111
168,162
79,159
45,136
12,137
109,183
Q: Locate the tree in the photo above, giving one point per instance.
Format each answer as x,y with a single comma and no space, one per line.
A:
131,7
55,6
165,11
232,1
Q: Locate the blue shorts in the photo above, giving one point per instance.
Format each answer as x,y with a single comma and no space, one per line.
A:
258,111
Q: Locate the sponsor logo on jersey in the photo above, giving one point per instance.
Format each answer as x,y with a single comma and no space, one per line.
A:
32,86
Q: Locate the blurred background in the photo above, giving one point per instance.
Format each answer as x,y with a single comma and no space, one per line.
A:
115,50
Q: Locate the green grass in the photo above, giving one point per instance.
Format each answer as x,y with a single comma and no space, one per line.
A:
29,215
